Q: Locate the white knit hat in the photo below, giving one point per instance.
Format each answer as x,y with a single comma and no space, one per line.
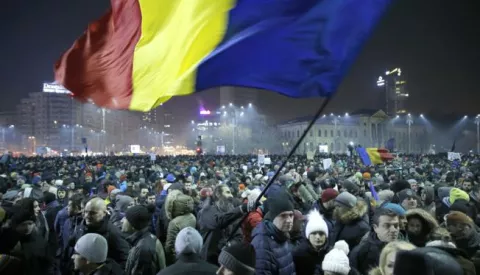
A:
93,247
336,260
315,223
188,241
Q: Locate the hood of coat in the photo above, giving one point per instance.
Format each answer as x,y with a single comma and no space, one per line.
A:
178,204
428,219
348,215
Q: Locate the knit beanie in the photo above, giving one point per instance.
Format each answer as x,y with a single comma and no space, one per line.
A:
329,194
426,261
346,199
455,217
336,260
399,185
122,202
405,194
351,187
93,247
315,223
21,215
366,176
239,258
278,204
138,217
457,193
386,195
188,241
396,208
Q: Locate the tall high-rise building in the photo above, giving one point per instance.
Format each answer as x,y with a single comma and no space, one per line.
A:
52,118
396,94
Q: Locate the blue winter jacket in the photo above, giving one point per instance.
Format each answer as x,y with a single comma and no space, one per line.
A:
273,251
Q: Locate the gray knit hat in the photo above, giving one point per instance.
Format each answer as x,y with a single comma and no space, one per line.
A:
346,199
188,241
239,258
93,247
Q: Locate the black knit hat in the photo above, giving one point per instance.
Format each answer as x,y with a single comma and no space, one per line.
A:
239,258
21,215
279,204
426,261
138,216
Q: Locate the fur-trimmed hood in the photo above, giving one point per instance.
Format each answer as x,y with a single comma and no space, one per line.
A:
425,216
178,204
348,215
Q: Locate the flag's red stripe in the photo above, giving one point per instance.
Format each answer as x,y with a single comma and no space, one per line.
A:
99,64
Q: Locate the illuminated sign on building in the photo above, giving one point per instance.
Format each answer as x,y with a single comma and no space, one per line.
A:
205,112
54,88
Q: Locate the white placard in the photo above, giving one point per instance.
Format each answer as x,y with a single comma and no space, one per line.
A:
327,163
261,160
267,161
135,149
453,156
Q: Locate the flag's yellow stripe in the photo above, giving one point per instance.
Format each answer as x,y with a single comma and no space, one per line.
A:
374,155
176,36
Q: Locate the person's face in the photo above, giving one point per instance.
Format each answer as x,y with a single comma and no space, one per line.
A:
387,229
71,209
414,226
226,193
36,208
224,271
330,204
61,194
88,179
78,262
403,222
409,203
467,186
25,228
143,193
151,200
459,230
131,204
317,239
414,186
92,214
284,221
188,185
390,263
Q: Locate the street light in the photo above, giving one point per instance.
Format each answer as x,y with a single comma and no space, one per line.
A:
409,122
249,104
346,114
335,122
230,104
477,121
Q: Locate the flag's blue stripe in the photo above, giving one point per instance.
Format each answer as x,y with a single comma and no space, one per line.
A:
362,153
299,48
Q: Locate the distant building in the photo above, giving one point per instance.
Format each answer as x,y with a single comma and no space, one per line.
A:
368,128
396,94
52,118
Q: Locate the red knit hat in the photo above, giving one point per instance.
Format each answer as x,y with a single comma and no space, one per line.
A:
329,194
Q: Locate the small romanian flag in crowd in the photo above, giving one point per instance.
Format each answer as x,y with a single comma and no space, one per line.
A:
372,156
143,52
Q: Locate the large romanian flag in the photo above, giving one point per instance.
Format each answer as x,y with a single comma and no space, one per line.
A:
143,52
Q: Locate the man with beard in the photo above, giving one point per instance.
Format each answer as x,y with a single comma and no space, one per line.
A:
386,229
97,221
326,205
217,221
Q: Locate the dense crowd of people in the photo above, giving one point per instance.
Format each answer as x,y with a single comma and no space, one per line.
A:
416,214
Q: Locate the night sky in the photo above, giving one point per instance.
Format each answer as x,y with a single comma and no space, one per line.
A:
436,43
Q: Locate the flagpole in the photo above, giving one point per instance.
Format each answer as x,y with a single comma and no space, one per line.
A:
292,151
